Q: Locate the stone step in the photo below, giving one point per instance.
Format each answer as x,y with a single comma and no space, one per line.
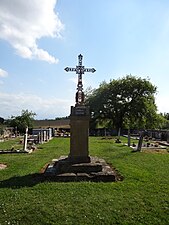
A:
97,170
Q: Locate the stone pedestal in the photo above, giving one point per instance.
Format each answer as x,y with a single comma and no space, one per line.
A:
62,170
79,132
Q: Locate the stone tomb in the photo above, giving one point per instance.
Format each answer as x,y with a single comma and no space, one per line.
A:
78,165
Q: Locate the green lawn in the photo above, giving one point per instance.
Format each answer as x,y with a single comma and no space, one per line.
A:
12,143
141,198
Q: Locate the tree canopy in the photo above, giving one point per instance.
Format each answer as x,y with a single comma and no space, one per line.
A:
127,101
1,120
165,120
21,122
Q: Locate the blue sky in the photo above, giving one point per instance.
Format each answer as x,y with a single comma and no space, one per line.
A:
39,38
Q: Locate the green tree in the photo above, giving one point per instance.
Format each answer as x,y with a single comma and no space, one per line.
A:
166,116
1,120
21,122
1,125
164,120
127,102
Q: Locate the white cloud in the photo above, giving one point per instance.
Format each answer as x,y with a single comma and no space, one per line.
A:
3,73
162,103
13,104
74,79
22,23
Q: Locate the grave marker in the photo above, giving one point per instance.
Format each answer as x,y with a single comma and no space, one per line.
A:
25,140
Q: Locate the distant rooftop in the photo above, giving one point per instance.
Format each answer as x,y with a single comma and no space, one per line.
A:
62,123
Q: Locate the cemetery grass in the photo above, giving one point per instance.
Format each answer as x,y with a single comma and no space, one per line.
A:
11,143
141,198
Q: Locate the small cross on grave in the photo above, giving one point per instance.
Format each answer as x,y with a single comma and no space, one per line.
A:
80,70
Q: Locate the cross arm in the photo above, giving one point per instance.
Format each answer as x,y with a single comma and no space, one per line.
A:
92,70
67,69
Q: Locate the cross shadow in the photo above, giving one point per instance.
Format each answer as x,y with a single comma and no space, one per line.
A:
17,182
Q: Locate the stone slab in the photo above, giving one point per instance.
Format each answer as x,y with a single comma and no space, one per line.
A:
12,152
97,170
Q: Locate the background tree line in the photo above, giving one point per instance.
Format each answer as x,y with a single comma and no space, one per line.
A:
19,123
127,102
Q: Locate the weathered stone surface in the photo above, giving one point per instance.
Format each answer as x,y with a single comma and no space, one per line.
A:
79,136
2,166
64,170
87,167
13,151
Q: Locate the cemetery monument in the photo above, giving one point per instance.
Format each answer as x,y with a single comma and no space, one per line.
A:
79,119
79,165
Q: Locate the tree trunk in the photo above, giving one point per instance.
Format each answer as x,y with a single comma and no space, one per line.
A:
140,142
129,137
119,131
105,132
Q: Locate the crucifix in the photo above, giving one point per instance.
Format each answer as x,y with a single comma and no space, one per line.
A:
80,70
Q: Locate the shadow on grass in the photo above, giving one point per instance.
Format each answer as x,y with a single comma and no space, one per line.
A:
17,182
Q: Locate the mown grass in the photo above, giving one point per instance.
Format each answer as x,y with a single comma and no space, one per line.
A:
141,198
12,143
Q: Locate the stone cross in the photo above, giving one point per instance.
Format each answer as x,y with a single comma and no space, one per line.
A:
80,70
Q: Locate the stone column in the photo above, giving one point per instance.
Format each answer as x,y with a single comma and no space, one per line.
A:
167,136
50,133
44,135
79,132
25,140
41,136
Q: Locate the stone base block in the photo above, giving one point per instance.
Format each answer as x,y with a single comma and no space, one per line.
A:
96,170
79,159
